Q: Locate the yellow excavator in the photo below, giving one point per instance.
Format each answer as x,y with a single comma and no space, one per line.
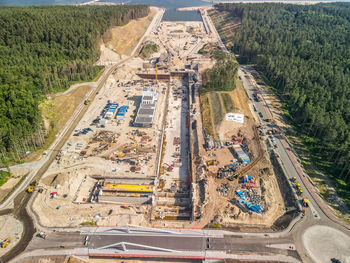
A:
5,242
32,188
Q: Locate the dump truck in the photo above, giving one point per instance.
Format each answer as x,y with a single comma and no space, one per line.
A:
5,242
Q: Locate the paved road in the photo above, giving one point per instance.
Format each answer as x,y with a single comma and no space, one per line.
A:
318,213
229,244
200,246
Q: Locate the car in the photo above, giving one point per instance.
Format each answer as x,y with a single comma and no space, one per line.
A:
260,114
275,146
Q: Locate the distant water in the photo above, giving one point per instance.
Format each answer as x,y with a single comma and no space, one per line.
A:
171,14
161,3
41,2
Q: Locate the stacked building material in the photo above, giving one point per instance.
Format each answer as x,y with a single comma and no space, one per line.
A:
242,156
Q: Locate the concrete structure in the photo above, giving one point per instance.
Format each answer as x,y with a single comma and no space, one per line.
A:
145,113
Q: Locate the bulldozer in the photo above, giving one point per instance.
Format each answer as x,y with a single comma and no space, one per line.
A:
4,243
305,202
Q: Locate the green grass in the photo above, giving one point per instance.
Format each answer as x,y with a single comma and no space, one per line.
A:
149,49
4,176
215,225
216,109
98,75
228,103
88,223
206,114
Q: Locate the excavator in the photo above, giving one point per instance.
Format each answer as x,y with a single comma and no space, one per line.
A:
4,243
31,189
305,202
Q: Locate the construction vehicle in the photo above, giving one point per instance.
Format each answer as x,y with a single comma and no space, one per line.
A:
31,189
42,235
86,102
170,168
212,162
5,242
305,202
299,191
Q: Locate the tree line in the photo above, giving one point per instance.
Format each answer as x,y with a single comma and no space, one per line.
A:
45,49
222,76
304,53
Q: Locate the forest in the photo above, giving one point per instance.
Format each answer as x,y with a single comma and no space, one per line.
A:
303,51
222,76
44,49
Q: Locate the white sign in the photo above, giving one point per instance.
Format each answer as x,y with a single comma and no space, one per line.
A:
237,117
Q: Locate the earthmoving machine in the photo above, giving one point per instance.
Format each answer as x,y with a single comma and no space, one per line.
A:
305,202
31,189
4,243
299,191
212,162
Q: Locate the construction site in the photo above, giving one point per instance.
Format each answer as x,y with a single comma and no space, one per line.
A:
141,154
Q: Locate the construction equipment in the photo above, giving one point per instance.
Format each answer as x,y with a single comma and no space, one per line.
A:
30,189
305,202
86,102
299,191
4,243
42,235
170,168
212,162
164,66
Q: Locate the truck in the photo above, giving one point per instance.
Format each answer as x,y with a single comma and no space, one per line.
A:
42,235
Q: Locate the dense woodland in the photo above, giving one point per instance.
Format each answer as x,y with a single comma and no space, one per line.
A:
42,50
304,53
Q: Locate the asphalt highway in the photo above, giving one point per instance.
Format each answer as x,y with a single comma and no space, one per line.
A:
72,241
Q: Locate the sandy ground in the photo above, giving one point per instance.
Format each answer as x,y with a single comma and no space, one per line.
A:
17,174
122,39
70,175
331,243
9,228
266,182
